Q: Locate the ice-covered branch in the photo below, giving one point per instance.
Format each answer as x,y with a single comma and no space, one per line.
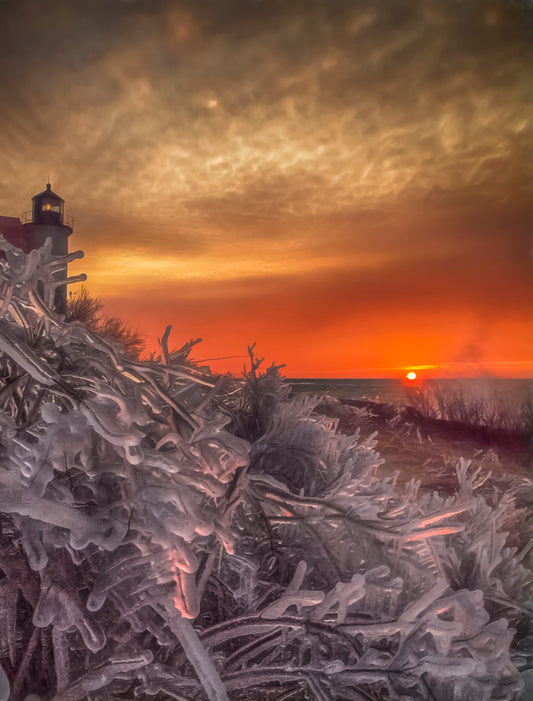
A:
164,531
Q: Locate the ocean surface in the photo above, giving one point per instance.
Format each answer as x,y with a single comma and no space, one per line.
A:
514,393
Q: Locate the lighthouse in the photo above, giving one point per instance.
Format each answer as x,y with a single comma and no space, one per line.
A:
46,219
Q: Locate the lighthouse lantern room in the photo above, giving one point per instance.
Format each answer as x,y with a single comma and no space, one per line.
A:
48,208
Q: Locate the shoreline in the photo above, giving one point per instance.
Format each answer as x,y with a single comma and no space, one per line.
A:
428,449
443,428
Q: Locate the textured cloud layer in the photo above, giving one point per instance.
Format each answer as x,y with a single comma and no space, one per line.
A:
291,142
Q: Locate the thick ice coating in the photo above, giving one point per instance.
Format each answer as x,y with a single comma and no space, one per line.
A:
166,532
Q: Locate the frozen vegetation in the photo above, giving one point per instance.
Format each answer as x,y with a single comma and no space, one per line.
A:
170,534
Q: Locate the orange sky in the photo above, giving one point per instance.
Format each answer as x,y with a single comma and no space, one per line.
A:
347,184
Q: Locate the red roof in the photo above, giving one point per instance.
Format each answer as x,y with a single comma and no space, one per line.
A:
14,232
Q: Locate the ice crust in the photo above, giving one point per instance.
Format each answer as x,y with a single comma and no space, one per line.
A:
166,532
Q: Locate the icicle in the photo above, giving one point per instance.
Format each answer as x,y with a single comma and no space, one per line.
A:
294,596
5,689
342,595
197,655
61,659
58,607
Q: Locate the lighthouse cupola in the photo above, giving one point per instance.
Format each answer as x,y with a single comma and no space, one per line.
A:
48,208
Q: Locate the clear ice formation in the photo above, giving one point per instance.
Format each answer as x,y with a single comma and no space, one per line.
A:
166,533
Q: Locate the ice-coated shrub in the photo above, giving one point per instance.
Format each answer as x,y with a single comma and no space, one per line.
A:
168,534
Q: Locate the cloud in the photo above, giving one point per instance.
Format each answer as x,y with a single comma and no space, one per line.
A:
328,107
347,158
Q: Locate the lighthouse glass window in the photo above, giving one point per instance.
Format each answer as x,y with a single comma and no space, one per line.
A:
51,206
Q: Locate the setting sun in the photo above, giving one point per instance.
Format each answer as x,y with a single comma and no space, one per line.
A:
411,375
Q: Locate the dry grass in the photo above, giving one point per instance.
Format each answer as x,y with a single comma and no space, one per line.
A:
454,404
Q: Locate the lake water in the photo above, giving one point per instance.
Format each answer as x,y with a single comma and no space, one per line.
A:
513,392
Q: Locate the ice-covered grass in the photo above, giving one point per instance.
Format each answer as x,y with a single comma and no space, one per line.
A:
437,400
170,534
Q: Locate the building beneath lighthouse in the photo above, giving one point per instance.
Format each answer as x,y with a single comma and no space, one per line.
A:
46,219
